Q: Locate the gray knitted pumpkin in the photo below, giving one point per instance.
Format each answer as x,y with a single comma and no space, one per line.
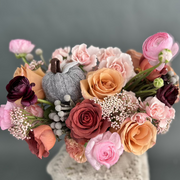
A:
57,85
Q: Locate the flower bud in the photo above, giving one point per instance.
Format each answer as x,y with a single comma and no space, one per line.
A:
165,55
39,51
158,83
173,80
57,102
29,57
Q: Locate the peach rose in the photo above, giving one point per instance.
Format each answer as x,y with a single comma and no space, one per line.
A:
137,138
101,83
33,77
42,140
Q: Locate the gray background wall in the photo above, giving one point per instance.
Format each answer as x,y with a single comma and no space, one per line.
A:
57,23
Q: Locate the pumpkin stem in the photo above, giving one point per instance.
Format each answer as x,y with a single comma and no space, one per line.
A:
55,65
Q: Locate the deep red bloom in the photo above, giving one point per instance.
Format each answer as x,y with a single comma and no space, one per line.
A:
19,87
168,94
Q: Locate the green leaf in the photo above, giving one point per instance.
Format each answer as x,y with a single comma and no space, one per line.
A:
47,112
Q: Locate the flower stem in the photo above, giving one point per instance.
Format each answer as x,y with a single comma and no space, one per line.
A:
24,59
45,102
41,56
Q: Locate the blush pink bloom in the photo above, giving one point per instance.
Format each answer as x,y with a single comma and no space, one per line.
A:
20,46
75,150
35,110
154,44
103,54
140,118
5,118
122,63
104,149
85,56
61,52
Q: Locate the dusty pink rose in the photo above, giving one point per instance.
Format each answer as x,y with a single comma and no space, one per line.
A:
103,54
156,43
104,149
35,110
85,56
140,118
61,52
75,150
5,118
158,110
122,63
20,46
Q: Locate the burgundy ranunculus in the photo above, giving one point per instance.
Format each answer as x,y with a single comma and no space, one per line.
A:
19,87
167,94
85,121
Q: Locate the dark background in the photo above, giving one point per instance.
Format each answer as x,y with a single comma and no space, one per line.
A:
58,23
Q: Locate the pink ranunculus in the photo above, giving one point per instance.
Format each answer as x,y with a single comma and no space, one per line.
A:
103,54
5,118
156,43
20,46
35,110
140,118
122,63
104,149
61,52
85,56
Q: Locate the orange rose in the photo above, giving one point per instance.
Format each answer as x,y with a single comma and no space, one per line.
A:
137,138
33,77
101,83
41,141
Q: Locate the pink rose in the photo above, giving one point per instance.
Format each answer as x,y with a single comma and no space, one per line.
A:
35,110
103,54
5,118
104,149
122,64
84,56
155,44
60,53
20,46
140,118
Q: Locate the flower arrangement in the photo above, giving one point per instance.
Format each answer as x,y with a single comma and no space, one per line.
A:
103,100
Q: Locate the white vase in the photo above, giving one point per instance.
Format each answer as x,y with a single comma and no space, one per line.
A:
129,167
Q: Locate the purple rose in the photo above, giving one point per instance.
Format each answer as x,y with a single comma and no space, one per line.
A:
19,87
167,94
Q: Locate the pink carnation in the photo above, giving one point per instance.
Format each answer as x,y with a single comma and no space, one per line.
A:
156,43
103,54
85,56
5,118
60,53
20,46
35,110
140,118
75,150
122,63
104,149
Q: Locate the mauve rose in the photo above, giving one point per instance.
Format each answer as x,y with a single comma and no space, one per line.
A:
85,121
5,118
42,140
168,94
104,149
156,43
35,110
144,64
19,87
20,46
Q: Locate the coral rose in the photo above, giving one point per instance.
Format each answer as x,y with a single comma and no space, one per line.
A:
85,121
33,77
75,150
20,46
122,63
101,83
42,140
104,149
137,138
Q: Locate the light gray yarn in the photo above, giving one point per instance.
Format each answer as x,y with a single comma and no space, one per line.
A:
56,86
